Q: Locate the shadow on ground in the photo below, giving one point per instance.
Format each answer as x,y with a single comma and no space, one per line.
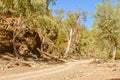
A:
114,79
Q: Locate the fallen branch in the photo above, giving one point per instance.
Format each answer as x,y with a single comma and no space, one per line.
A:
49,55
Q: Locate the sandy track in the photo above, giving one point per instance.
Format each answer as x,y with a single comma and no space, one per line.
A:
76,70
61,72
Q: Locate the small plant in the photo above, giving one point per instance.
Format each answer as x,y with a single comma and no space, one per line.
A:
117,55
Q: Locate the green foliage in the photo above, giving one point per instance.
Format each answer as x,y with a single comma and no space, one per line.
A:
23,7
61,41
117,54
107,20
72,19
97,42
86,46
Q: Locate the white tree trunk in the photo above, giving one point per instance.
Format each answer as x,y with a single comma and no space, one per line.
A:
114,53
69,43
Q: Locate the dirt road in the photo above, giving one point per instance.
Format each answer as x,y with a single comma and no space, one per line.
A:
77,70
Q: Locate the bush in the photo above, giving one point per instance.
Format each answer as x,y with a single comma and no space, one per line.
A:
117,55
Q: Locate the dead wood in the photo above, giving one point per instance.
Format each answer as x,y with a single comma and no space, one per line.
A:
50,56
24,41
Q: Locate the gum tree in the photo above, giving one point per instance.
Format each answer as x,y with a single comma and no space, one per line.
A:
107,19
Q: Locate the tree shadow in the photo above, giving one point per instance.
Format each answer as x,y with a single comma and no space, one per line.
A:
114,79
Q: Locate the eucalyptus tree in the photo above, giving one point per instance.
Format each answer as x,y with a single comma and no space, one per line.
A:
71,29
48,2
107,19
